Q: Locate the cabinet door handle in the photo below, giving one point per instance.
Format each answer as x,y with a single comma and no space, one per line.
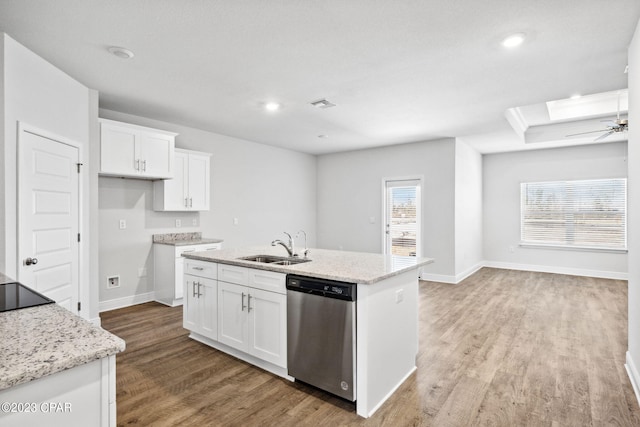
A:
198,268
199,294
194,289
186,205
243,306
137,164
248,303
144,166
190,202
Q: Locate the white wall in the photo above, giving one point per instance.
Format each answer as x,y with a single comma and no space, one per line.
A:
468,211
633,355
269,190
350,193
503,174
38,94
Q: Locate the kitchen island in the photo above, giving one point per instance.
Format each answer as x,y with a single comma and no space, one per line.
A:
386,331
55,368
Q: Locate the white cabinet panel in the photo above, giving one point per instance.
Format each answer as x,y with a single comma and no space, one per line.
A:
268,326
170,267
133,151
200,309
189,190
268,280
233,274
232,315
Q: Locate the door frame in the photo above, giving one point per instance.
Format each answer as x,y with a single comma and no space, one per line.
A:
419,213
25,127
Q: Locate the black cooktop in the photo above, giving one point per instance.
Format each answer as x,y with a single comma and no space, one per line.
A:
15,295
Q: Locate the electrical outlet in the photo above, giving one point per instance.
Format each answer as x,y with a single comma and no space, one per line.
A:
236,221
372,220
194,222
178,223
512,249
399,296
142,272
123,224
113,282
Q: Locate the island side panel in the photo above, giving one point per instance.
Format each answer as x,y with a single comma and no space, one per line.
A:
387,338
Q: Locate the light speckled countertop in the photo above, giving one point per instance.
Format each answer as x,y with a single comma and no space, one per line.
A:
183,239
40,341
355,267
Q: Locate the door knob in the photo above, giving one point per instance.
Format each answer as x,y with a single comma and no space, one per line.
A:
30,261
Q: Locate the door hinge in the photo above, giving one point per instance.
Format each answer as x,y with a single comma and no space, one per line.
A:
79,306
79,164
78,237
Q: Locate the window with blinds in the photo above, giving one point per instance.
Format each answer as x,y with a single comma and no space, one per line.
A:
590,214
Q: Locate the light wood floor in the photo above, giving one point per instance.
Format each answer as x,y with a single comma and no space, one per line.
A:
502,348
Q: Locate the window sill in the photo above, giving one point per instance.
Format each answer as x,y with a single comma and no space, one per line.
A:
572,248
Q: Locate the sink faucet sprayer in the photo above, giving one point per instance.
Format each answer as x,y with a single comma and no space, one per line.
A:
290,247
305,252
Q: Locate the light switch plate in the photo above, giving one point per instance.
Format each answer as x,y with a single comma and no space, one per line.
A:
178,223
123,224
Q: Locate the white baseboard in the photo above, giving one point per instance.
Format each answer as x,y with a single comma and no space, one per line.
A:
633,375
468,272
558,270
443,278
113,304
96,321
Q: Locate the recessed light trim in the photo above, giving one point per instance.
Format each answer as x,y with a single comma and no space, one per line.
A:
514,40
323,136
120,52
575,96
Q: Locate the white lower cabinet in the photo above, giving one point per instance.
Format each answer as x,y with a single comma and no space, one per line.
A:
200,310
253,321
169,270
250,311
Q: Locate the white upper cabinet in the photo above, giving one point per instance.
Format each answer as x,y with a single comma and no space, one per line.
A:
133,151
189,190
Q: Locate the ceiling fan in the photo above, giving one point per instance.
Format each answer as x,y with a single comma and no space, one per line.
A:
614,126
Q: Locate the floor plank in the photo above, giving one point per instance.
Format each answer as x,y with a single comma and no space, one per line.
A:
502,348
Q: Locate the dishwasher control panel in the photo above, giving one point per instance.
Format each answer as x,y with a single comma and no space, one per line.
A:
322,287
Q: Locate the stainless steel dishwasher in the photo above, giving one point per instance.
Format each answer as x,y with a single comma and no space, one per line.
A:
321,332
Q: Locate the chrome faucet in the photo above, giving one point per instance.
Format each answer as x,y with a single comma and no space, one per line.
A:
305,252
290,247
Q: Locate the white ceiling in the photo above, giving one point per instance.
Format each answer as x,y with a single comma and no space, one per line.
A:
397,70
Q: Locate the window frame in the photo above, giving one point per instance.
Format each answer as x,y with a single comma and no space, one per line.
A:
566,245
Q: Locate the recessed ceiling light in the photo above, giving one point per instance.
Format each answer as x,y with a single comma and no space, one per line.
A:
513,40
272,106
576,96
323,136
121,52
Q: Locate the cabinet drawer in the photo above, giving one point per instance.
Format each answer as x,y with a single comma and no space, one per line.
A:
233,274
268,280
201,268
195,248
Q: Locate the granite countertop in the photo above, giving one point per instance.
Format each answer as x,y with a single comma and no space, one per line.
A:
183,239
355,267
43,340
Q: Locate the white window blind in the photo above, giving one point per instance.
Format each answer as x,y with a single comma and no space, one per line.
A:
590,214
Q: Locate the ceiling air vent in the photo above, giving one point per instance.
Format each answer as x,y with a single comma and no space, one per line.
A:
323,103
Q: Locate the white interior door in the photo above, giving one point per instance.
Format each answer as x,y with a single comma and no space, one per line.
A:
48,217
402,226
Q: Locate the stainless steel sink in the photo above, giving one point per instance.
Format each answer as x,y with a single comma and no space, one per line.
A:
276,260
